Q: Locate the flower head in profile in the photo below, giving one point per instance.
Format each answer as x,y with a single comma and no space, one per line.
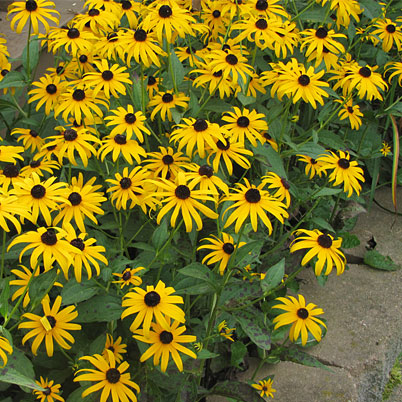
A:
5,347
24,276
51,391
313,166
10,208
320,38
166,341
301,316
320,245
351,112
114,346
52,326
10,153
30,138
264,387
279,186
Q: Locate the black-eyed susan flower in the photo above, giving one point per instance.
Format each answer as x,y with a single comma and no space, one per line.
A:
267,138
317,39
270,8
64,70
166,163
48,243
225,331
48,152
83,62
397,67
165,101
330,59
213,17
289,41
128,122
107,5
97,20
184,199
9,175
130,9
344,171
53,325
109,47
241,8
30,138
252,201
4,53
389,32
198,134
313,166
51,391
351,112
279,187
24,276
5,347
114,346
156,302
166,340
129,277
10,153
10,209
243,124
127,186
204,177
40,196
386,149
152,85
34,12
322,245
221,250
39,167
303,318
264,388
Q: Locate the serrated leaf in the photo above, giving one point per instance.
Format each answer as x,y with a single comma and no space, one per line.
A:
273,276
100,308
298,356
74,292
240,391
376,260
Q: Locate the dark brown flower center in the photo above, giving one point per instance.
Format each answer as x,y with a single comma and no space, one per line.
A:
152,299
166,337
83,58
253,195
126,5
261,24
111,348
343,163
222,146
120,139
49,237
225,47
70,134
165,11
231,59
217,74
73,33
125,183
302,313
31,5
365,72
285,184
107,75
243,121
79,243
267,136
261,5
205,170
51,89
47,391
34,164
60,70
75,198
390,28
113,375
304,80
167,159
126,275
93,12
130,118
151,80
38,191
112,37
79,95
182,192
200,125
11,171
228,248
52,320
350,109
321,33
216,13
324,241
4,72
140,35
167,98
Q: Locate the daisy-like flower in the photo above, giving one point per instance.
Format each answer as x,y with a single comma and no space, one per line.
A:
344,9
351,112
344,171
166,341
313,166
110,379
51,392
38,167
127,187
4,53
64,70
10,153
39,196
330,59
10,207
197,134
225,331
109,47
152,85
84,62
166,163
243,123
270,8
47,92
317,39
303,318
48,242
221,250
10,175
183,198
118,144
24,276
114,346
30,138
34,11
53,325
155,302
206,179
168,20
130,9
129,277
397,67
227,151
212,16
253,202
128,122
165,101
97,20
324,246
280,184
107,5
386,149
87,254
241,8
109,80
264,387
5,347
389,33
267,138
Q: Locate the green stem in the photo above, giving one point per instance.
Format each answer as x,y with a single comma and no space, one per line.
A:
209,97
3,254
331,219
171,68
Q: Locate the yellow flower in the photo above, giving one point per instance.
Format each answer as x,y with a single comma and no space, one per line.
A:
225,331
50,393
265,386
114,346
5,346
128,277
386,149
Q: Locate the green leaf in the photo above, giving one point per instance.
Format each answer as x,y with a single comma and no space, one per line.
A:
238,352
206,354
311,149
376,260
298,356
349,240
40,285
273,276
238,292
329,139
218,106
192,286
137,93
273,158
34,52
5,294
76,395
74,292
237,390
371,9
7,105
160,235
245,100
178,69
326,191
322,223
13,79
100,308
248,253
143,246
197,270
